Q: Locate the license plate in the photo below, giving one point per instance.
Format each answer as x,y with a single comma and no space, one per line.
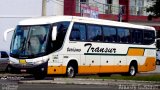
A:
23,70
22,61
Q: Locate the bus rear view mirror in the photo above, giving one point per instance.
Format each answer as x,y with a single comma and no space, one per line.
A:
54,33
6,33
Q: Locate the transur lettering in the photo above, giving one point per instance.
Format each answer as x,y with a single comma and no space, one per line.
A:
98,49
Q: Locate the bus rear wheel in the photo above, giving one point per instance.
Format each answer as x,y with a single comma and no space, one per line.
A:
132,70
157,62
71,71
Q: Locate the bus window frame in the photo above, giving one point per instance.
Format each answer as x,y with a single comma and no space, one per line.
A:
131,31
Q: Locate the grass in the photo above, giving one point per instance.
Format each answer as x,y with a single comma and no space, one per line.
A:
119,77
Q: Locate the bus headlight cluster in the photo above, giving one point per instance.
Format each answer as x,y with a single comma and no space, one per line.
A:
12,62
41,61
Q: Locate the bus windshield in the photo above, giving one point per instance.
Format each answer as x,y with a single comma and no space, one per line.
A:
29,40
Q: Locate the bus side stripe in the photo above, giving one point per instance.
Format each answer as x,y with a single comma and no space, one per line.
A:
132,51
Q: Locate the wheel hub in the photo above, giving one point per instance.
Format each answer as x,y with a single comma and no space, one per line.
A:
70,72
132,70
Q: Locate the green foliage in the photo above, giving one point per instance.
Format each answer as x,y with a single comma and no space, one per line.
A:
155,77
137,78
155,9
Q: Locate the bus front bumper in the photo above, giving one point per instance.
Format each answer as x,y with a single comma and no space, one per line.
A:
27,68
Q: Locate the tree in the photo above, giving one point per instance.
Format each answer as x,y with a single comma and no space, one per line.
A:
154,9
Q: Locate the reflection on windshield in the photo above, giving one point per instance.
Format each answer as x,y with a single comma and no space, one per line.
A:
29,40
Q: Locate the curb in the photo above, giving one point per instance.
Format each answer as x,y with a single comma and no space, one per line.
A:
105,82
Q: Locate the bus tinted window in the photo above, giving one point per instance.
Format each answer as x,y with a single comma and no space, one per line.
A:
149,37
137,36
75,33
123,35
61,32
94,33
82,32
109,34
62,29
78,32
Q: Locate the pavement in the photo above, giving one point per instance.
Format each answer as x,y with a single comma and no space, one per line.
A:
89,81
121,84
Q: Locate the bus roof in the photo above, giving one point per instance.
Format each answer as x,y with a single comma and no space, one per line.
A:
53,19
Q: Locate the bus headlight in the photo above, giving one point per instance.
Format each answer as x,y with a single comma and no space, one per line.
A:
40,62
12,62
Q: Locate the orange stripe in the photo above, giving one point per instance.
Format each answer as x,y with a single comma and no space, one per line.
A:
88,69
135,52
56,69
122,68
102,69
149,65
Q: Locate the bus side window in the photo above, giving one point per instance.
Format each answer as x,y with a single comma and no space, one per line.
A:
90,33
94,33
127,36
78,33
75,35
82,32
109,34
137,36
61,33
120,35
149,37
62,29
124,35
98,36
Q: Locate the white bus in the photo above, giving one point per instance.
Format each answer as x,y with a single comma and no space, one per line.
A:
79,45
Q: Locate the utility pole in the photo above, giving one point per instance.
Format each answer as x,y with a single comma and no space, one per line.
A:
120,14
44,2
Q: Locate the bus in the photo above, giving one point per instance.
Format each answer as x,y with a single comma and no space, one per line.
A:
72,45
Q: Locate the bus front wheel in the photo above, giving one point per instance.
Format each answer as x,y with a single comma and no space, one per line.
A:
39,76
40,72
71,71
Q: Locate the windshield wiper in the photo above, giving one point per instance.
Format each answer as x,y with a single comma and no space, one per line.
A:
29,46
21,48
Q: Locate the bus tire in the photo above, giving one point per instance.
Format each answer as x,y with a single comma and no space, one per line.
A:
132,69
39,75
157,62
40,72
8,69
71,71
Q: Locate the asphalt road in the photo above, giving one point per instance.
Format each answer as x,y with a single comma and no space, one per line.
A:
64,87
14,85
6,84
